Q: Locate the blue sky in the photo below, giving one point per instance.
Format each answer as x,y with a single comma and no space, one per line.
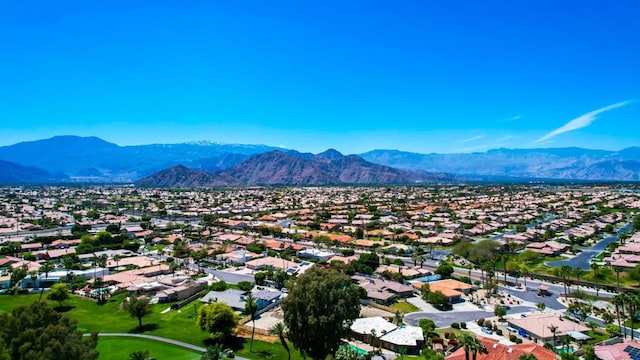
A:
422,76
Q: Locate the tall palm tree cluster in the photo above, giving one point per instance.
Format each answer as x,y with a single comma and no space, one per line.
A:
627,305
471,345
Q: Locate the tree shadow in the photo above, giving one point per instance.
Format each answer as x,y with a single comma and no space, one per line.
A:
64,308
234,343
143,328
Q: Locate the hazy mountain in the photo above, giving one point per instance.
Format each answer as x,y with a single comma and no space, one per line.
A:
13,174
280,168
553,163
91,157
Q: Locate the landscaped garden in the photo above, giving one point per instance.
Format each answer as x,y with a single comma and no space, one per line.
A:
178,325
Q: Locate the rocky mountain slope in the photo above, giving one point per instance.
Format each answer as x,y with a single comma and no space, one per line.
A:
280,168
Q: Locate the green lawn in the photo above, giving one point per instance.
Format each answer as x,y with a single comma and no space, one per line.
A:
119,348
404,307
110,318
265,350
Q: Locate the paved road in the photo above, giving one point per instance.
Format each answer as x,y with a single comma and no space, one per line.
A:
445,318
583,260
161,339
531,295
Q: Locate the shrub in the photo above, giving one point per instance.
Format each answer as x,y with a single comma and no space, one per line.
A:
512,338
488,324
455,325
518,341
481,322
463,325
499,332
446,335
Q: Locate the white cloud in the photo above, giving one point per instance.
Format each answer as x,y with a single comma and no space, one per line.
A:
471,139
581,121
513,118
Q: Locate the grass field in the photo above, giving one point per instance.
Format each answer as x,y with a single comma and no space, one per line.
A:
181,326
109,317
117,348
404,307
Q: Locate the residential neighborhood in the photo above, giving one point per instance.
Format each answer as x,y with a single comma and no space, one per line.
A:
524,269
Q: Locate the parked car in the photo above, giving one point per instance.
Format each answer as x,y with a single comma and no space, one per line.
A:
487,330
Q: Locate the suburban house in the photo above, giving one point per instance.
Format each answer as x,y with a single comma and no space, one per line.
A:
315,254
494,350
377,331
537,326
232,297
452,289
168,288
618,349
383,291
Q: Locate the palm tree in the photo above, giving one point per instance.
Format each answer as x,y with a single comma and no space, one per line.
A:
554,330
577,272
565,341
397,317
618,301
117,259
477,347
467,342
541,306
565,272
250,307
46,269
632,302
617,269
279,330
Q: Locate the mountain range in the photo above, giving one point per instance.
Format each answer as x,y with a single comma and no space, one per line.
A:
90,159
293,168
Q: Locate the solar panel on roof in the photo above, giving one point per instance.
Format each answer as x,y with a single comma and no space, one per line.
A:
633,352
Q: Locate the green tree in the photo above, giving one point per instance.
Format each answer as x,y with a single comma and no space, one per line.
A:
39,332
444,269
59,292
279,330
528,356
427,326
140,355
214,352
347,353
554,330
500,311
589,353
45,269
318,311
137,307
541,306
218,319
612,330
437,299
579,310
17,275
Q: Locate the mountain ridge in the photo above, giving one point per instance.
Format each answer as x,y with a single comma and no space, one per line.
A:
92,159
282,168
